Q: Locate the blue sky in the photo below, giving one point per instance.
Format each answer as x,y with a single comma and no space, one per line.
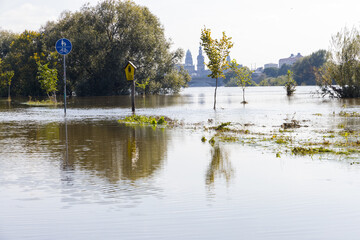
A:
262,31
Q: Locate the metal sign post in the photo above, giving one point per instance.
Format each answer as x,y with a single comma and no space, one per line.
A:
130,72
63,46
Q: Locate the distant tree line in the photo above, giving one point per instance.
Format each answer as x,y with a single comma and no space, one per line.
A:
304,72
104,38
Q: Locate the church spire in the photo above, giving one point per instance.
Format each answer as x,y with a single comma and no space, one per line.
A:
200,62
188,58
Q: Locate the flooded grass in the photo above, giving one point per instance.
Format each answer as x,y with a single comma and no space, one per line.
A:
292,138
42,103
145,120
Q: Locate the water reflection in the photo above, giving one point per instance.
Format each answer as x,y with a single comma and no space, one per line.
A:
66,165
148,101
107,149
220,166
115,151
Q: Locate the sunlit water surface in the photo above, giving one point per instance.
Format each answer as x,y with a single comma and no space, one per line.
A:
113,181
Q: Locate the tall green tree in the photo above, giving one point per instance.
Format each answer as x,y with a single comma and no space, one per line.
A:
217,51
6,39
342,66
271,72
243,76
21,58
105,37
304,69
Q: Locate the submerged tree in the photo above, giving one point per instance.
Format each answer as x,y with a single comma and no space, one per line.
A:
48,79
106,37
243,76
217,51
290,84
6,78
342,66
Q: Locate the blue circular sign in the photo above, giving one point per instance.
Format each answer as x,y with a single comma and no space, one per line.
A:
63,46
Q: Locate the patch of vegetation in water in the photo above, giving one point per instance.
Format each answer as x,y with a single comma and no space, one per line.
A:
222,127
144,120
226,138
297,141
349,114
310,150
42,103
212,141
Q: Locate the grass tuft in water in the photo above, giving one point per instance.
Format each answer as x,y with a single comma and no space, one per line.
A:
42,103
143,120
212,141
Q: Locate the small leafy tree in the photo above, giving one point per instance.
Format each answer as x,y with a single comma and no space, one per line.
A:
142,85
48,80
290,84
217,52
243,76
6,78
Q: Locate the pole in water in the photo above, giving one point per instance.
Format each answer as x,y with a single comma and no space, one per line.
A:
133,96
63,46
64,88
130,72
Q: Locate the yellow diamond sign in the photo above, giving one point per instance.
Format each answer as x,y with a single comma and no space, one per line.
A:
130,71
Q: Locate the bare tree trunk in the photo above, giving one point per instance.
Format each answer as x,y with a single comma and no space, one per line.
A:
215,94
54,96
9,97
244,95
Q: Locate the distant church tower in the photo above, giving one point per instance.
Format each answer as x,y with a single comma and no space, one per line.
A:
200,62
228,59
188,58
189,66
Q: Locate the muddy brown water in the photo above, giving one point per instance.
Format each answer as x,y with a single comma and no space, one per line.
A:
90,177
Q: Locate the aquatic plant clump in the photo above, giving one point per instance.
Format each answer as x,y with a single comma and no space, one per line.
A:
42,103
144,120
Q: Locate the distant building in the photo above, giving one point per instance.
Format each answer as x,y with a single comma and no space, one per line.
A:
270,65
189,66
228,59
200,63
200,70
290,60
199,76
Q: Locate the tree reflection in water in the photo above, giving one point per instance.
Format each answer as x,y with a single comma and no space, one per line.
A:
220,166
115,151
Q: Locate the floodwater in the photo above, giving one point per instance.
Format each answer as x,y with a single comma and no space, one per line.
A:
89,177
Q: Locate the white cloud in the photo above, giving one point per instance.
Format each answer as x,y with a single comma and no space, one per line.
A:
263,31
26,17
